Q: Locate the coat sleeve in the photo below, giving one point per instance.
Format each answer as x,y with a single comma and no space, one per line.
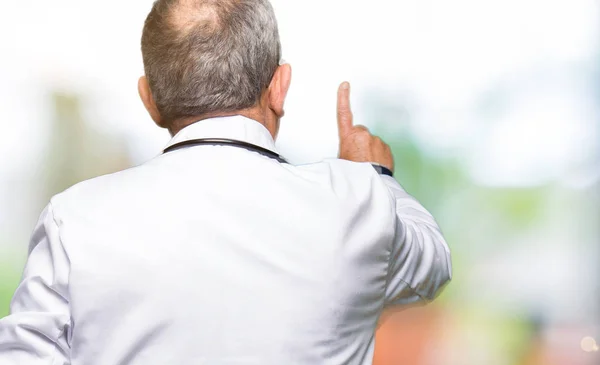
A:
36,332
420,264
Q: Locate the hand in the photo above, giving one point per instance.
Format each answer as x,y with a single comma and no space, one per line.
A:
356,142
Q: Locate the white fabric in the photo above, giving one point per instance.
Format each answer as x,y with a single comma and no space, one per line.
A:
219,255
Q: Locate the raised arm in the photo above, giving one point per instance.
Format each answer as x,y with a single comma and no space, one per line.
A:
36,332
420,262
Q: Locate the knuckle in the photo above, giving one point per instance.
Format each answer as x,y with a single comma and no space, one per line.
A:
342,110
362,132
363,137
343,115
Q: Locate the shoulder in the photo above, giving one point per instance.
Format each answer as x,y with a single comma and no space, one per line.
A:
347,177
343,168
99,191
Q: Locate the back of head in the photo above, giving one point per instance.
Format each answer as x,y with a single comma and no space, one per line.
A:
209,56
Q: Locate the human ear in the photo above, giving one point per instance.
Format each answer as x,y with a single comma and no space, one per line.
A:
278,89
148,100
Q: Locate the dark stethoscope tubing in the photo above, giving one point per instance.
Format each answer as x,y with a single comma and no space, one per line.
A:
250,147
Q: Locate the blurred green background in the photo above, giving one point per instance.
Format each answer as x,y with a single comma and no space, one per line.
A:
492,109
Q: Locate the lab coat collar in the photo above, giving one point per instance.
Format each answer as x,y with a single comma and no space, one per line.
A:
236,127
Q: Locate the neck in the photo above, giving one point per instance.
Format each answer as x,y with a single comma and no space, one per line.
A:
251,113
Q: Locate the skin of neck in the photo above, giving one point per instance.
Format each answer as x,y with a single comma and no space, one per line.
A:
259,113
268,111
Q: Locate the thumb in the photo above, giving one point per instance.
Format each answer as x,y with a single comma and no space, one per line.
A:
344,112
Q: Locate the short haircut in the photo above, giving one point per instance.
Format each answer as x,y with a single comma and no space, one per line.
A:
209,56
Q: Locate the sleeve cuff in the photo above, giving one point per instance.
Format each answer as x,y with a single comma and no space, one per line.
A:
382,170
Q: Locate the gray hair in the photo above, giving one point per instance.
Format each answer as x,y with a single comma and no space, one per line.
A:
209,56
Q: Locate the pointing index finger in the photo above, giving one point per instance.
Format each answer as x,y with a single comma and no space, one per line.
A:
344,111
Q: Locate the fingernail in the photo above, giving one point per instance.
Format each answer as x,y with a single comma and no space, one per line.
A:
345,86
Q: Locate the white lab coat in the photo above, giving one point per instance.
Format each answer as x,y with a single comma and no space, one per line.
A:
220,255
